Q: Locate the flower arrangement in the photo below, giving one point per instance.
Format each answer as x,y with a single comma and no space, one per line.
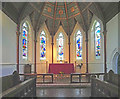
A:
61,72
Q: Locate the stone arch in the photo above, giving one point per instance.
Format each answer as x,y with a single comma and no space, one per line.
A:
41,66
65,45
30,44
93,62
73,49
116,62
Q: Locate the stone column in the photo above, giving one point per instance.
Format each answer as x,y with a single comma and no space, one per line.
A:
105,65
18,34
69,46
86,51
35,53
52,48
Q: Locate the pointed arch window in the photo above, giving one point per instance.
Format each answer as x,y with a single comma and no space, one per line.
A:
97,40
60,43
25,30
79,39
42,45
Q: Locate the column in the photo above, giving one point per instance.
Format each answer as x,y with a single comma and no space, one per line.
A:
86,52
69,47
18,34
52,48
35,41
105,65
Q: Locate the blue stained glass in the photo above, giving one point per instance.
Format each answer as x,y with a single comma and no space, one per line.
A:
98,31
78,45
78,41
60,52
42,46
97,39
24,39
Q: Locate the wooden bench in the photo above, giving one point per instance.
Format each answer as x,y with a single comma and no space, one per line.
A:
110,87
10,81
24,89
13,87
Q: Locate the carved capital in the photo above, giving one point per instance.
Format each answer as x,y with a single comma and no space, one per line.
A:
86,40
105,32
52,43
17,33
69,43
35,40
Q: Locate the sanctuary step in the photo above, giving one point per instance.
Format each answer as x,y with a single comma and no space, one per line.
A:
63,92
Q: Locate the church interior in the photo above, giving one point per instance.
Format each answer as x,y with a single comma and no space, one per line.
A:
60,49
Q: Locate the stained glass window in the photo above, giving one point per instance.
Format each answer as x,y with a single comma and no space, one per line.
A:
79,45
24,40
97,40
60,51
42,46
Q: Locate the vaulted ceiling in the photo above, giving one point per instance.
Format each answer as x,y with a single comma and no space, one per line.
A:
55,14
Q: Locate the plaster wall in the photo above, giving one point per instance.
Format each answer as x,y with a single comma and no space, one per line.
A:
8,47
112,42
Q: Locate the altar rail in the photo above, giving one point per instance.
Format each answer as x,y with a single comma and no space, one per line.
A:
103,89
31,75
24,89
87,75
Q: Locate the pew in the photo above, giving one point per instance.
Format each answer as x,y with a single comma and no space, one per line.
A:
108,88
10,81
13,87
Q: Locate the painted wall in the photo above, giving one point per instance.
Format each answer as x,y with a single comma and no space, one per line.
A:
112,42
8,45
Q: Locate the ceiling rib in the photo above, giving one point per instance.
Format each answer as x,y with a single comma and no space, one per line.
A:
34,7
54,17
67,17
81,16
87,7
37,24
23,10
100,11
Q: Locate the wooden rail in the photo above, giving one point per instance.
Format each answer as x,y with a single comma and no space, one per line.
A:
103,89
29,75
24,89
88,76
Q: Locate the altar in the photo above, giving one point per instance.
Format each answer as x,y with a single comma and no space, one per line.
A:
61,68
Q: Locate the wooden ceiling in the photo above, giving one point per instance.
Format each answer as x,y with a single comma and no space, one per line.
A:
55,14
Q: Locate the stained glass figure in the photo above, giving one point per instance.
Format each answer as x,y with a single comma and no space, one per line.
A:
42,46
60,51
97,39
79,45
24,40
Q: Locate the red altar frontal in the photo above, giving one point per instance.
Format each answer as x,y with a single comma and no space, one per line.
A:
61,67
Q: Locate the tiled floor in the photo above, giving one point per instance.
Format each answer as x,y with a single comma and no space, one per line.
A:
63,92
61,87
